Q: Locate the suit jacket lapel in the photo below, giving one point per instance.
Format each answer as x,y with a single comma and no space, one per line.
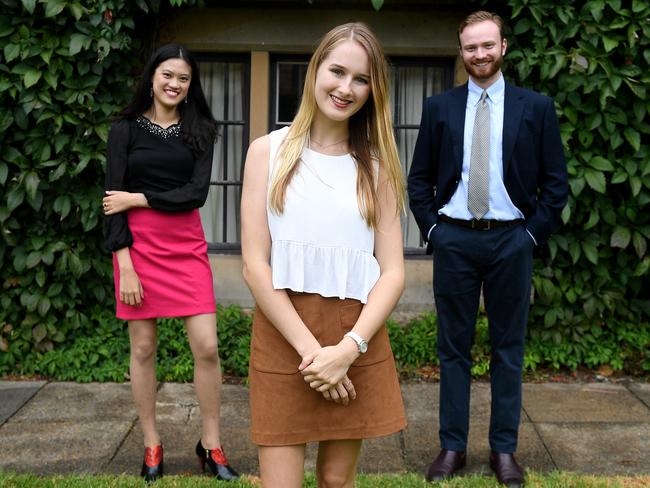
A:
513,108
457,105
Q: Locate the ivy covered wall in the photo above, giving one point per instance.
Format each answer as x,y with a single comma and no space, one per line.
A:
592,57
65,68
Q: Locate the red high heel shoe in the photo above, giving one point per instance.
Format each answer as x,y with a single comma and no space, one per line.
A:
152,466
216,461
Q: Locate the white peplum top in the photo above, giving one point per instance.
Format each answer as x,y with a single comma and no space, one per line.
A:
321,243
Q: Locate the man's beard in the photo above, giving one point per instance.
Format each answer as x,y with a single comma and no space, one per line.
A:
482,74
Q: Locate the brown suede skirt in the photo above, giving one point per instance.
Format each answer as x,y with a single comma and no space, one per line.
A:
286,411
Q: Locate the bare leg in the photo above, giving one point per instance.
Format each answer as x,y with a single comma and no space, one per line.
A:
336,466
282,466
142,334
202,335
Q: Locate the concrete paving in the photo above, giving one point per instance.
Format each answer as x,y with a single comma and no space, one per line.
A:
54,427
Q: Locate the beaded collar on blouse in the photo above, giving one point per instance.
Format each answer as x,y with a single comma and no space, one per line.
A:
153,128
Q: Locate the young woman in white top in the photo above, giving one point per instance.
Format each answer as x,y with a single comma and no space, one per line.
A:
322,253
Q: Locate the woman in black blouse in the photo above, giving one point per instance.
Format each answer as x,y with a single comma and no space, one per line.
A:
159,161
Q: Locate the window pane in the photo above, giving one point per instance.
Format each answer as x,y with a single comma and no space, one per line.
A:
410,86
225,84
290,77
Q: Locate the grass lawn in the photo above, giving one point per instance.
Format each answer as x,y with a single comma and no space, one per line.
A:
533,480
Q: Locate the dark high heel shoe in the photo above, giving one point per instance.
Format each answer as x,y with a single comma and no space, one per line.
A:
152,466
216,461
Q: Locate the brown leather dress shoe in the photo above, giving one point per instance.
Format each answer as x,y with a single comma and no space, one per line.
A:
507,470
446,465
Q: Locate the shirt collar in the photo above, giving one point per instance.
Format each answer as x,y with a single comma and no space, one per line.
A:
495,91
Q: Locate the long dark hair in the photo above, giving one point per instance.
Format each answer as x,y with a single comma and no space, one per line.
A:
198,127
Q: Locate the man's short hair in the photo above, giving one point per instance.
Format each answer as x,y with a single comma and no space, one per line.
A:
480,16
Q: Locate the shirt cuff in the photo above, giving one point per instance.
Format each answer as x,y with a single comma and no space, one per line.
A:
531,236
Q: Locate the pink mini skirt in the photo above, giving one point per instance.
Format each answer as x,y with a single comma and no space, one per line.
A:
170,256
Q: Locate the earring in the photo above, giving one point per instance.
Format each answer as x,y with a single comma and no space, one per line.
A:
186,100
151,92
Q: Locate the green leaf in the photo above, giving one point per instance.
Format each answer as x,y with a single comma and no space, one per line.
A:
33,258
635,184
591,252
640,244
39,332
44,306
54,290
75,265
41,277
31,77
577,185
639,110
377,4
50,79
595,180
4,171
11,52
142,5
29,301
76,43
29,5
643,267
5,26
620,237
54,7
595,7
615,139
601,164
594,120
62,206
15,197
575,251
521,26
639,5
58,173
31,183
637,89
609,43
566,213
633,137
46,56
594,217
77,10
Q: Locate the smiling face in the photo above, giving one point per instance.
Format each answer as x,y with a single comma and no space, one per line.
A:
482,50
171,82
342,84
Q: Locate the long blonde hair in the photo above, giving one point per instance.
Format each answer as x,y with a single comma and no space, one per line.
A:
371,128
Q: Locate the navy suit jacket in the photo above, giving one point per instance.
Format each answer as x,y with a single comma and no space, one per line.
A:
534,168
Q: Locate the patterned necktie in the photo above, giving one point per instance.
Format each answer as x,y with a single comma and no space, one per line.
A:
478,193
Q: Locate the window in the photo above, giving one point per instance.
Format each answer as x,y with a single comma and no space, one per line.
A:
225,81
411,81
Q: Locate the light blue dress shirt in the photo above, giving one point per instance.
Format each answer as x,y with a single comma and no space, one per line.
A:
501,206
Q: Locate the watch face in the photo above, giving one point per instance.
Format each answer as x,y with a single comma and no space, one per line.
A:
363,347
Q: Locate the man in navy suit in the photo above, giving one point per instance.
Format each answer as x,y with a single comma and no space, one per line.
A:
484,195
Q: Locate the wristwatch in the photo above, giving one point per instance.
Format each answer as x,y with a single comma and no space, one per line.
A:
362,344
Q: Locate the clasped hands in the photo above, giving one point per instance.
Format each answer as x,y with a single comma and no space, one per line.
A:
325,369
116,201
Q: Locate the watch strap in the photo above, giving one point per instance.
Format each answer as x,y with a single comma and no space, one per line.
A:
362,344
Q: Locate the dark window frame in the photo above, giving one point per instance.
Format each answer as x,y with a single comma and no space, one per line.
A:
273,79
448,66
223,180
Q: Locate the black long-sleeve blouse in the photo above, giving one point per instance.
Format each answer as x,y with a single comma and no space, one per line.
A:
143,157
